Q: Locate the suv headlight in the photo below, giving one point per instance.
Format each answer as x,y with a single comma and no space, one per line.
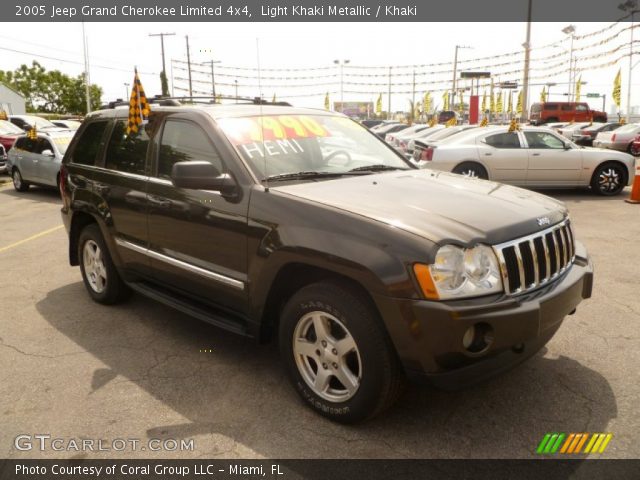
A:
460,273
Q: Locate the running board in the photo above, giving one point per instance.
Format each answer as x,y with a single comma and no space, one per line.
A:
201,312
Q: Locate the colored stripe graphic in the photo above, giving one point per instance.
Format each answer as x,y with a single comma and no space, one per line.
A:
572,443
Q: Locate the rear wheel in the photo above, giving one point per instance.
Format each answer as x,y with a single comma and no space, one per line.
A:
18,183
99,273
471,169
609,179
337,353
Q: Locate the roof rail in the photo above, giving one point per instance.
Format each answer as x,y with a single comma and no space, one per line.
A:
185,100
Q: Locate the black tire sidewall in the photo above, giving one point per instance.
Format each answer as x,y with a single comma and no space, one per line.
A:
366,332
23,185
479,169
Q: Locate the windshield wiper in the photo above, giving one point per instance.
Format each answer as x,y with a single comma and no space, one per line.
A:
306,175
376,168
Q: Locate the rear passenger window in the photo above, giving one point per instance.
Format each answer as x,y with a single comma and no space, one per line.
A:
182,142
566,108
581,108
503,140
127,153
89,144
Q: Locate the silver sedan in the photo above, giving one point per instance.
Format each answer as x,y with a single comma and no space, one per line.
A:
531,157
619,139
37,161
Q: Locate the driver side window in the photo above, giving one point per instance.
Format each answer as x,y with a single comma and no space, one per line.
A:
543,140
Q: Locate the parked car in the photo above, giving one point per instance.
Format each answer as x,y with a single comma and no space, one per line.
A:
371,123
391,128
391,138
618,139
446,115
67,124
37,161
548,112
532,157
635,146
585,136
8,134
366,269
556,125
421,143
27,122
383,124
568,130
3,159
421,135
402,138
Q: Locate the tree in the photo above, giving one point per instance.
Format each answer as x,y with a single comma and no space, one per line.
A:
164,83
51,91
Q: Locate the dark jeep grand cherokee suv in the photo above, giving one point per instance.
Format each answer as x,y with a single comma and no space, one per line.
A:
273,221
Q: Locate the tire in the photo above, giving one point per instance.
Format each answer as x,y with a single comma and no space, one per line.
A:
18,183
630,148
609,179
471,169
369,365
635,151
99,274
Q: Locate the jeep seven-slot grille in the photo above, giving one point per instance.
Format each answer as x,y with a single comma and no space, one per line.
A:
532,261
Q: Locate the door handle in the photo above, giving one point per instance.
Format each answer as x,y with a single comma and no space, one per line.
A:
535,154
102,187
159,202
488,154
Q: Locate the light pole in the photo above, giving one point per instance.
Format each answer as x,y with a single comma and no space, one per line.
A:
629,6
549,85
342,63
126,89
236,83
570,30
213,78
455,74
525,80
163,79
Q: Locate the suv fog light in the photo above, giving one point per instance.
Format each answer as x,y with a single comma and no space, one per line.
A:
478,338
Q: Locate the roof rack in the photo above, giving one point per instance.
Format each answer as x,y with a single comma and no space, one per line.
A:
185,100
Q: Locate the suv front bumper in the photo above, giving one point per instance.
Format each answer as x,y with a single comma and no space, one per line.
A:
428,335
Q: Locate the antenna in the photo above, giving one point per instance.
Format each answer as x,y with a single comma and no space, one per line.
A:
264,150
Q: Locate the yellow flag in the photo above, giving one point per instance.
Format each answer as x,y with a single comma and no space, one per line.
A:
499,103
219,98
617,82
492,103
543,95
510,107
445,101
327,105
461,104
484,101
484,122
434,120
578,87
519,105
138,106
451,122
427,102
32,133
379,105
3,115
514,125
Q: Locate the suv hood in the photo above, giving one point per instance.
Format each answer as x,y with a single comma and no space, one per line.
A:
439,206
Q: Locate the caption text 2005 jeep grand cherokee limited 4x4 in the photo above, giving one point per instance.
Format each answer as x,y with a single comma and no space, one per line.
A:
301,226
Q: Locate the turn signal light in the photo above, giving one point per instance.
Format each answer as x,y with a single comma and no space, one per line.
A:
423,275
426,155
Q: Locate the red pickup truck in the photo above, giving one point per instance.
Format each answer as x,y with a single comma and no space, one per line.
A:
548,112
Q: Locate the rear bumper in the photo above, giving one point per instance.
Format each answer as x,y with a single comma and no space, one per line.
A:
610,145
430,340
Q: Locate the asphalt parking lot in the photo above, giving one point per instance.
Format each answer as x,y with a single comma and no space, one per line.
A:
75,369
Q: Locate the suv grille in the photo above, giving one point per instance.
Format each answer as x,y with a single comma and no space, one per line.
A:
532,261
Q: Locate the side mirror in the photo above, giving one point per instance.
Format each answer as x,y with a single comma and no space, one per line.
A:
201,175
567,145
47,153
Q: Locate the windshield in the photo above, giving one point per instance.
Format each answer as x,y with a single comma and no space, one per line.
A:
8,128
39,122
626,128
285,144
62,143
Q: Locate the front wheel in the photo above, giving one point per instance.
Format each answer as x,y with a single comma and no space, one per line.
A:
18,183
609,179
338,354
471,169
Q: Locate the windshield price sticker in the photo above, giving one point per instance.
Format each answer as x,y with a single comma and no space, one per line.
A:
272,128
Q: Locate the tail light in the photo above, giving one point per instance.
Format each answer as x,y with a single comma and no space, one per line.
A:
613,137
403,146
426,155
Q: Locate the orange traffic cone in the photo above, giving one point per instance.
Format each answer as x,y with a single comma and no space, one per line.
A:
635,189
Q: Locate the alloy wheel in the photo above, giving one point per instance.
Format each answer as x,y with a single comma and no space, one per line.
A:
609,180
94,268
327,356
17,180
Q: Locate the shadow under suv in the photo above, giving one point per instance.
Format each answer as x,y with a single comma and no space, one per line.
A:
300,225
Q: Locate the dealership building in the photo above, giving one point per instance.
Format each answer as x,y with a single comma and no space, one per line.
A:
11,101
